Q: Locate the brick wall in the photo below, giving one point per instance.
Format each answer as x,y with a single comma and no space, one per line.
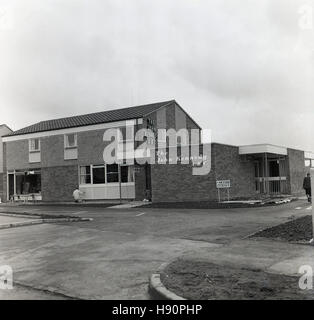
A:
140,183
229,165
176,183
91,147
4,130
58,183
172,183
17,155
296,171
52,152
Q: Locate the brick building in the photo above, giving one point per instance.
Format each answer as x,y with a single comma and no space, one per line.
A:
4,130
49,160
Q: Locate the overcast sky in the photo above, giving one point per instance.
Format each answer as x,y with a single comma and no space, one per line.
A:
243,68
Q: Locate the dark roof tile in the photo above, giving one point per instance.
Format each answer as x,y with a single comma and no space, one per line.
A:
92,118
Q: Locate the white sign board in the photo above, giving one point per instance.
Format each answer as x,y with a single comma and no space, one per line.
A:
223,184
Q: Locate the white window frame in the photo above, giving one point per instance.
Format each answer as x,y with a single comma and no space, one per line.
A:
30,145
66,141
106,181
112,173
91,176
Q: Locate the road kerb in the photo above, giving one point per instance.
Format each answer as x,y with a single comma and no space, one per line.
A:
158,289
41,221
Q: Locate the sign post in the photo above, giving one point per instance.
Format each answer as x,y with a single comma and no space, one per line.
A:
223,184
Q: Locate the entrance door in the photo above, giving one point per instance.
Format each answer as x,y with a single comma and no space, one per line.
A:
148,182
11,186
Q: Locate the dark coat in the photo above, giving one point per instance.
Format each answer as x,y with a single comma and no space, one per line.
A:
307,183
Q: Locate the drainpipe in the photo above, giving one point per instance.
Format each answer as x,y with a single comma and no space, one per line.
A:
266,175
119,173
279,176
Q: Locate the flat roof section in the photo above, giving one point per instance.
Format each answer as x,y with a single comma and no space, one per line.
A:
309,155
263,148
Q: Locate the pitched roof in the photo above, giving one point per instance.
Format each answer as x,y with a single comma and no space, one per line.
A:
92,118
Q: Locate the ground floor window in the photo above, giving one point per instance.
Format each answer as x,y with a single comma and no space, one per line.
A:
106,174
99,175
112,173
127,174
24,182
28,182
85,175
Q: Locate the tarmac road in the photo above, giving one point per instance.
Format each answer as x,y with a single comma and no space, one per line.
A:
113,256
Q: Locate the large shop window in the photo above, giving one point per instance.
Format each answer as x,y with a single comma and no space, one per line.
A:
28,182
102,174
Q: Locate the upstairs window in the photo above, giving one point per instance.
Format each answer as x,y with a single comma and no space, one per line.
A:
70,140
34,145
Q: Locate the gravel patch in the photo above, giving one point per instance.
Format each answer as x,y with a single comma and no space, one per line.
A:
296,230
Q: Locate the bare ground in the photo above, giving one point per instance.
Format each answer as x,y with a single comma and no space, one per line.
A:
206,281
300,229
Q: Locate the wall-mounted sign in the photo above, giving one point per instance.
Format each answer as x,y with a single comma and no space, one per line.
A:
223,184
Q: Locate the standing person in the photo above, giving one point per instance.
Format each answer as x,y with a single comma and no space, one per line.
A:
307,187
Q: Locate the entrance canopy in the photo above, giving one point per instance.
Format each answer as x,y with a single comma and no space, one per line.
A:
263,148
309,159
270,164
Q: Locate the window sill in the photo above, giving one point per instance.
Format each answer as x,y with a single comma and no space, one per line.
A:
110,184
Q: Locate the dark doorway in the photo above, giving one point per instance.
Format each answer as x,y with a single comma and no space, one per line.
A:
11,185
274,168
148,182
